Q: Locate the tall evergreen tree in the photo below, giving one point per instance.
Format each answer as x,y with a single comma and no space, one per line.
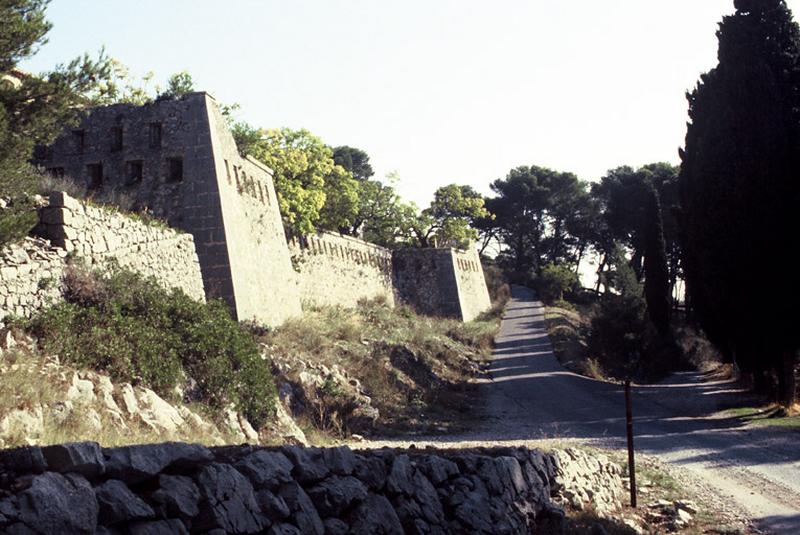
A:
33,109
739,189
656,272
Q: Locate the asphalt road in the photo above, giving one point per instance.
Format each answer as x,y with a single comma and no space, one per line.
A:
531,396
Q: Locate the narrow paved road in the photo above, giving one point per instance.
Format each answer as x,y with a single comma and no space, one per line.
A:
531,396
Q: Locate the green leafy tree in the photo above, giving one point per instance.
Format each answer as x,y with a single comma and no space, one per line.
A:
383,218
341,206
300,162
739,193
355,161
33,109
554,281
178,85
448,221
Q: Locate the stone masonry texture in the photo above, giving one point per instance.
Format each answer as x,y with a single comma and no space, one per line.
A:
177,160
339,270
188,488
31,272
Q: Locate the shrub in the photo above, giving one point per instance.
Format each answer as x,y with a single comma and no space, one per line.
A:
554,281
137,331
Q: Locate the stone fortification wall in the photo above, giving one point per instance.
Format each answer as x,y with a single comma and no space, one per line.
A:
30,275
98,235
340,270
472,291
442,282
259,261
425,279
31,271
178,159
182,488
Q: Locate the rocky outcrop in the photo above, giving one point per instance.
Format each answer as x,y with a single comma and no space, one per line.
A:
184,488
581,480
57,401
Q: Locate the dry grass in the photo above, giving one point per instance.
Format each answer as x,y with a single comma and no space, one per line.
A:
31,381
418,370
568,328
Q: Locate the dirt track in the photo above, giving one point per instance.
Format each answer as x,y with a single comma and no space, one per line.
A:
530,397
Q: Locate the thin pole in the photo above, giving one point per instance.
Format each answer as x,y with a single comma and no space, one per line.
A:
629,422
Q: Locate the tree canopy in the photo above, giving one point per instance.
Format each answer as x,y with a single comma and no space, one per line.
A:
739,190
35,110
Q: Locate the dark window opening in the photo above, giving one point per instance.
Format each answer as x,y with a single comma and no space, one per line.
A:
155,135
134,171
95,172
116,138
174,169
42,152
79,137
56,172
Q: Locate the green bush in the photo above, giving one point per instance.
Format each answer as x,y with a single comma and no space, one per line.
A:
554,281
135,330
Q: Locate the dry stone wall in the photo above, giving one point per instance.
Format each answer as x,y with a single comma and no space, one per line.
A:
30,277
98,235
177,158
31,272
188,488
339,270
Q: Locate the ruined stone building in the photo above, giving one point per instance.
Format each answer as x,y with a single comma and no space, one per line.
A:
178,159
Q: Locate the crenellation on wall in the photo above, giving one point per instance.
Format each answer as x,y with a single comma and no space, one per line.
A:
337,270
472,290
444,282
177,159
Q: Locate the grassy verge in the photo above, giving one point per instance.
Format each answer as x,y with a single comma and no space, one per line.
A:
768,415
568,327
417,371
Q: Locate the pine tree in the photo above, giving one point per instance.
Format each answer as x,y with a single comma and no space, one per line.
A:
33,109
656,271
739,190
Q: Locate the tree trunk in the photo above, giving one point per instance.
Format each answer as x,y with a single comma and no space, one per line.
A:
787,387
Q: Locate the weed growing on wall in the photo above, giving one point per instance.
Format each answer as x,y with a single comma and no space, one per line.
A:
136,331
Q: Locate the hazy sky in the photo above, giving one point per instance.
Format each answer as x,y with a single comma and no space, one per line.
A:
440,91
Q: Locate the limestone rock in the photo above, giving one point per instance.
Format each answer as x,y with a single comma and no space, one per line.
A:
129,401
332,496
308,468
133,464
85,458
229,501
56,503
28,423
304,515
266,469
157,527
81,391
375,516
273,506
158,413
118,504
178,494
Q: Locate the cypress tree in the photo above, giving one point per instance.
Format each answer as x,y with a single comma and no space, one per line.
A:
656,271
739,191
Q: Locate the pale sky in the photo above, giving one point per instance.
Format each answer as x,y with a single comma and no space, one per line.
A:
440,91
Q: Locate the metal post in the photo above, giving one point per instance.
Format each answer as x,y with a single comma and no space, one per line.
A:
629,425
